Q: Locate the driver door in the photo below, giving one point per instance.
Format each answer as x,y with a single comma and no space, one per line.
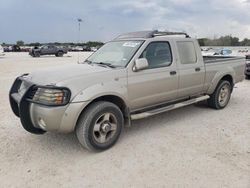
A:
45,50
156,84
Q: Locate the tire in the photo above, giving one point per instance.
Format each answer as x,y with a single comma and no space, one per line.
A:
99,126
221,96
59,54
248,77
36,54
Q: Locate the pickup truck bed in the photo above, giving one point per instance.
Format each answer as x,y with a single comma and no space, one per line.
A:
217,59
219,65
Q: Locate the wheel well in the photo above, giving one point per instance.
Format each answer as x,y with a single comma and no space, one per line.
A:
228,78
113,99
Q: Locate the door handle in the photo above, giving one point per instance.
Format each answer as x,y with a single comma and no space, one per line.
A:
197,69
172,73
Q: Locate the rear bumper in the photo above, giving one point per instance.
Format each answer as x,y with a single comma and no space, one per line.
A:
38,119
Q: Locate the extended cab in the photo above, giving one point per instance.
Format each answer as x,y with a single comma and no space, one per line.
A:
135,76
48,50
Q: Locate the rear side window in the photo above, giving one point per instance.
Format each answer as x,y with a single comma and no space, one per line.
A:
187,52
158,54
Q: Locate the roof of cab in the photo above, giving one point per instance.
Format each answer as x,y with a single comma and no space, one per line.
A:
149,34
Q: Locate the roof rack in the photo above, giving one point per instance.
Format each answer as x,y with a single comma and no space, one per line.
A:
163,33
150,34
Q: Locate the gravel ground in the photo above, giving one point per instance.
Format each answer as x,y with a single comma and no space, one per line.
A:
190,147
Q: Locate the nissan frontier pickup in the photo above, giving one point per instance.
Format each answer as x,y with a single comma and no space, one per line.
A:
134,76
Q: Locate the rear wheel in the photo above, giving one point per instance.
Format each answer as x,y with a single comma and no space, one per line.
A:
59,54
221,96
100,126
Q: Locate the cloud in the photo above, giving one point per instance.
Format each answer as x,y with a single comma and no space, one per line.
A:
47,20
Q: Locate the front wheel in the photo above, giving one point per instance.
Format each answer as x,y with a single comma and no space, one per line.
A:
59,54
36,54
221,96
100,126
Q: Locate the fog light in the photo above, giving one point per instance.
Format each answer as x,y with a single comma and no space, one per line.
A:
41,123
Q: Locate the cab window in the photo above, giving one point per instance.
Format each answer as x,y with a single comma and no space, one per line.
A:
158,54
187,52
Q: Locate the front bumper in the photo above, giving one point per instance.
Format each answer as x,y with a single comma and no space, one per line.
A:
31,52
38,119
247,71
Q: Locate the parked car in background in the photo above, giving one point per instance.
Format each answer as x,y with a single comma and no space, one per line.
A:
7,49
48,50
224,52
209,52
135,76
247,71
76,48
86,48
1,51
93,49
16,48
25,48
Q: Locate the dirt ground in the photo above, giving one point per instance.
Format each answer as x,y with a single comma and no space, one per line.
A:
190,147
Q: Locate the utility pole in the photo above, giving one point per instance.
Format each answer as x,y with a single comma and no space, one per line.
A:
79,20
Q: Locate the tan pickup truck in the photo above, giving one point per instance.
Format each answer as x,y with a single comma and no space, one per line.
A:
135,76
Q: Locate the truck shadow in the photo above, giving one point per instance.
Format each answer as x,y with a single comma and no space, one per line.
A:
166,119
61,142
48,56
68,142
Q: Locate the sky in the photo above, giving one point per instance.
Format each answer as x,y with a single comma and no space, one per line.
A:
56,20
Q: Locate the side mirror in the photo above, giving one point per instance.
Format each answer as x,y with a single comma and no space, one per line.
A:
140,64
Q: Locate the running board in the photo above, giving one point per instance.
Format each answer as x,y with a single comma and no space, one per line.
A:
168,108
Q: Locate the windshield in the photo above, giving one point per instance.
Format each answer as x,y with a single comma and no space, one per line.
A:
115,53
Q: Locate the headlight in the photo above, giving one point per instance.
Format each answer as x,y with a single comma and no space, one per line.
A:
51,96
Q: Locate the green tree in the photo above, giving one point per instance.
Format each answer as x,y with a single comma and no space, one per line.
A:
202,41
245,42
35,44
20,43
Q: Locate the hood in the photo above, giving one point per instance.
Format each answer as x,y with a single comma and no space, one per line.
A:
51,76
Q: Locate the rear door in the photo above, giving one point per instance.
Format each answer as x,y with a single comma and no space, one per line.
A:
191,68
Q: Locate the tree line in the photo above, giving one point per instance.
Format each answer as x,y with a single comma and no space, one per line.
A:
87,44
227,40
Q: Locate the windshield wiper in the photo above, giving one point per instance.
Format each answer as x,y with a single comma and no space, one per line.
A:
105,64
